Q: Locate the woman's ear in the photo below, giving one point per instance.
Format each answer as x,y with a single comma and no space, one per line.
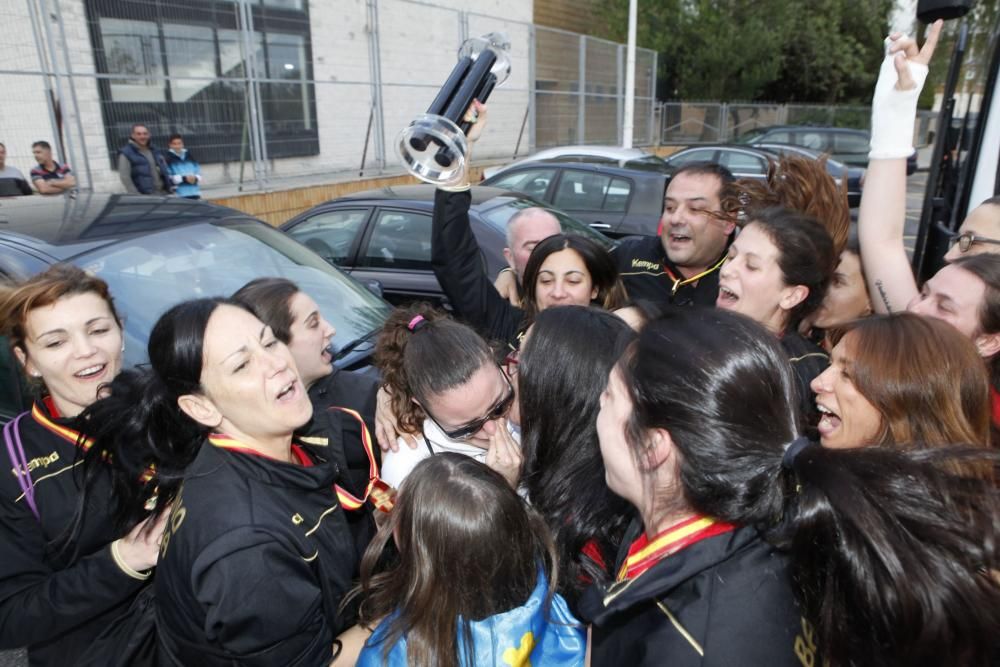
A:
22,357
660,448
201,409
792,296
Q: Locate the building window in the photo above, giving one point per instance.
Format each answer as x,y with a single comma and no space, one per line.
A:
182,66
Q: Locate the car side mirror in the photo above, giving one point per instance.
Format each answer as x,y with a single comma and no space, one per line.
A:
374,286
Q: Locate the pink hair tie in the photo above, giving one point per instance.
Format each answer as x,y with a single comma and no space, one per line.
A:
416,322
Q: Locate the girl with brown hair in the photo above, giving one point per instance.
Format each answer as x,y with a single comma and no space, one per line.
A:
474,580
445,387
65,573
902,381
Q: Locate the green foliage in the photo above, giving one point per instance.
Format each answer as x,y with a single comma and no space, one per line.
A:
782,50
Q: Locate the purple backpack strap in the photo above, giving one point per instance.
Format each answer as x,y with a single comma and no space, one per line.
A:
15,450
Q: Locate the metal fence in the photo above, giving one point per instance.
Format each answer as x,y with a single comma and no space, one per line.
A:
274,92
687,123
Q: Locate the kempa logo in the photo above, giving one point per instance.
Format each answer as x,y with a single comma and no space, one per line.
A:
40,462
645,264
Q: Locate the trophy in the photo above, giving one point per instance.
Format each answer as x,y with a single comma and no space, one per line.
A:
433,147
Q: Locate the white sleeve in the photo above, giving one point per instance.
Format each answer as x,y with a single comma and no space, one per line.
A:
397,465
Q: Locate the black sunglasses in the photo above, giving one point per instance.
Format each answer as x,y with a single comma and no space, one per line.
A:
966,240
472,428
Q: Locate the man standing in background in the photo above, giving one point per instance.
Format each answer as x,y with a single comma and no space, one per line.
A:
50,177
141,167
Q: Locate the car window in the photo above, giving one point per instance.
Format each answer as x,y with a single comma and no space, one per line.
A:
532,182
399,240
813,140
498,216
850,143
331,233
702,155
581,191
743,163
616,199
780,137
150,273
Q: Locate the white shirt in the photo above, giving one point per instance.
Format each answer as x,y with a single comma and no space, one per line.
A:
397,465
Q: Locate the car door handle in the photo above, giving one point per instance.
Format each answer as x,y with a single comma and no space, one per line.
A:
600,225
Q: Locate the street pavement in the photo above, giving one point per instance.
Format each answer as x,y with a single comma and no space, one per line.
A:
914,202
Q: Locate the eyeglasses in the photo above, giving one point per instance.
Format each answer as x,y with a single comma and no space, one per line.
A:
474,427
966,240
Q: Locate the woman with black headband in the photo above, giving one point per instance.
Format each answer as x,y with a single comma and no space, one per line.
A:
757,547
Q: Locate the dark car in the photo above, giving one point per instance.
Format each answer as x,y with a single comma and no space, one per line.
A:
385,235
838,170
846,145
157,251
614,200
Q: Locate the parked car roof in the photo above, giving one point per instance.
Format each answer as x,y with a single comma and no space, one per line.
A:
632,157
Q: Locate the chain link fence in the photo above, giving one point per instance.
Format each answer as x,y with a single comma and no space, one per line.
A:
688,123
276,93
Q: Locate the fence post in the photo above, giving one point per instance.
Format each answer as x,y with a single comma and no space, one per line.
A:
581,111
620,94
375,67
532,87
258,137
724,122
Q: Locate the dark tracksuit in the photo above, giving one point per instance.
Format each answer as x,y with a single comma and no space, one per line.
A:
56,604
458,265
724,601
357,392
256,560
646,273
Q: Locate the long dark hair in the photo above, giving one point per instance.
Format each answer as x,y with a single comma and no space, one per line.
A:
602,268
891,554
469,547
805,256
269,299
139,428
422,352
562,373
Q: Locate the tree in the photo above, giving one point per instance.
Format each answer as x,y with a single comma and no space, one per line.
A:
780,50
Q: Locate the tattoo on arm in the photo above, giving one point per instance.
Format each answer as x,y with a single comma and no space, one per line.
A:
885,297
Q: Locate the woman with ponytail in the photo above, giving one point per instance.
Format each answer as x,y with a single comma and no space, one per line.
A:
66,570
257,555
757,547
447,390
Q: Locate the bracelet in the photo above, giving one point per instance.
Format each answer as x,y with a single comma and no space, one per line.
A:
124,567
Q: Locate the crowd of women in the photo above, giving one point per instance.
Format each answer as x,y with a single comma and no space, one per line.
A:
799,475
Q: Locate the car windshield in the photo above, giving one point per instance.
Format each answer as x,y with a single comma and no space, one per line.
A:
498,216
749,136
149,274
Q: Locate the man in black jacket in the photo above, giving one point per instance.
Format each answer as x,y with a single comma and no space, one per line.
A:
681,267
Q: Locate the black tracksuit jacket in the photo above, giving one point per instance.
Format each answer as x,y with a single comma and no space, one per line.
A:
724,601
457,263
55,604
643,265
257,557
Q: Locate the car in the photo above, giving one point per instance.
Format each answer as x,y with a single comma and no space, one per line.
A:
157,251
384,236
630,158
616,201
838,170
742,161
844,144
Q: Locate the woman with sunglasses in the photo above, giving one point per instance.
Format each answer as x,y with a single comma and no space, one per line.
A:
445,386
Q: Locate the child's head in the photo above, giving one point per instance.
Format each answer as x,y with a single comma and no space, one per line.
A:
468,546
